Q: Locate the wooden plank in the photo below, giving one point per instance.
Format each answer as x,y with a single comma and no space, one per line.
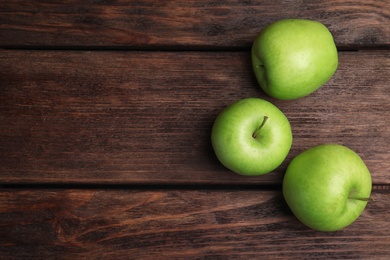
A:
182,24
145,117
178,224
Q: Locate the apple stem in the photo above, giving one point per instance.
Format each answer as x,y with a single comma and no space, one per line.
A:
257,132
362,199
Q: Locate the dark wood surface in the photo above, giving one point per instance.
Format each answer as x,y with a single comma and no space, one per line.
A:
106,109
178,224
146,117
182,24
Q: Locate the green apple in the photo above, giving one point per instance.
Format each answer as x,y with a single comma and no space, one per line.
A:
292,58
251,137
327,187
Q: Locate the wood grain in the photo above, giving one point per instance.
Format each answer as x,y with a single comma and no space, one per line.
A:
145,117
178,224
182,24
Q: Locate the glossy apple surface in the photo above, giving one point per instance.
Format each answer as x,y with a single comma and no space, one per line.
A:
327,187
251,137
292,58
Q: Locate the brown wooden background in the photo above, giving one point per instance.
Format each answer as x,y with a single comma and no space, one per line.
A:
106,109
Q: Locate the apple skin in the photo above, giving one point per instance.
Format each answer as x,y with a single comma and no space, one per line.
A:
327,187
292,58
251,137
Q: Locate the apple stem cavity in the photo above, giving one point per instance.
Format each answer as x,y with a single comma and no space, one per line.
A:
352,197
257,132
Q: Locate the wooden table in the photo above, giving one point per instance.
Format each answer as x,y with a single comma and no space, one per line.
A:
106,109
